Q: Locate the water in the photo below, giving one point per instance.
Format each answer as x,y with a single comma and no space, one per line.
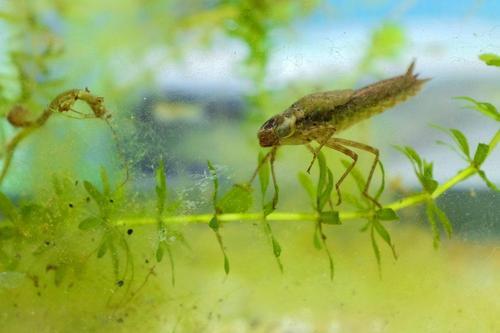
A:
110,222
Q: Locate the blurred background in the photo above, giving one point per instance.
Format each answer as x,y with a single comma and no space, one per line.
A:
192,80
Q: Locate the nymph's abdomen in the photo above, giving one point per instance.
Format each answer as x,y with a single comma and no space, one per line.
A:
376,98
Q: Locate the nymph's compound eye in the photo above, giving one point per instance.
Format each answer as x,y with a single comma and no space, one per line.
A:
286,128
269,124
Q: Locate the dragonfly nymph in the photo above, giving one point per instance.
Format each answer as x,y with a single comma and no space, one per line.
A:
320,116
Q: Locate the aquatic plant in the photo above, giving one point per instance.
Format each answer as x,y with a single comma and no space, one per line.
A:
27,223
90,224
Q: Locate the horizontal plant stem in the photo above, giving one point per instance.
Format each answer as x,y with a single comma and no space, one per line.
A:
297,217
461,176
289,216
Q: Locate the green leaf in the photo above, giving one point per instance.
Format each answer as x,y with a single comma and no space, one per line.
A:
103,247
430,185
159,253
382,183
215,180
325,183
485,108
307,184
213,172
481,154
487,181
331,217
237,200
366,226
384,234
325,196
172,263
445,222
274,242
330,263
7,208
268,208
7,233
422,168
275,187
432,221
452,147
90,223
426,178
264,173
461,141
386,214
214,223
161,187
276,247
376,250
490,59
226,264
496,139
355,200
428,169
317,239
356,174
382,231
321,179
413,156
94,193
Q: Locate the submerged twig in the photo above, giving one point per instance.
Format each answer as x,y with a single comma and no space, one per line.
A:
62,103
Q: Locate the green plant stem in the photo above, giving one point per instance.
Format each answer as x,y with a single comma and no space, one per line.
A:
61,103
11,147
289,217
344,216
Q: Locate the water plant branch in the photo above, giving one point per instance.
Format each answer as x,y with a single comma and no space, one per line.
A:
409,201
62,103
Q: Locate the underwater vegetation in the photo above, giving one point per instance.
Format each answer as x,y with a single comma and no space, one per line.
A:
20,230
113,247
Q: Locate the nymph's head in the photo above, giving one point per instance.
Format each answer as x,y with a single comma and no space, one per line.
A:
278,130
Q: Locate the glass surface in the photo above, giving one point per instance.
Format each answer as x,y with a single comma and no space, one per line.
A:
135,195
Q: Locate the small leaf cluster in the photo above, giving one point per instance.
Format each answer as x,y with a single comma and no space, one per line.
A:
424,172
485,108
166,234
460,145
462,148
422,168
35,230
321,201
375,220
376,227
266,171
112,240
214,223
